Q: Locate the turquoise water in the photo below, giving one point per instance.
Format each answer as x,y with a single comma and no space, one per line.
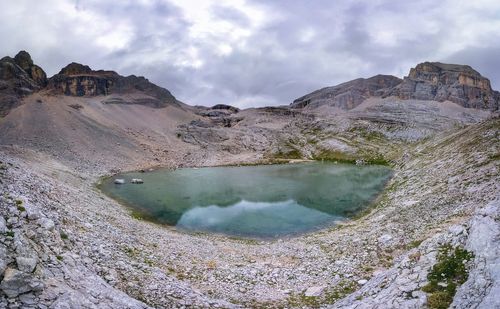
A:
253,201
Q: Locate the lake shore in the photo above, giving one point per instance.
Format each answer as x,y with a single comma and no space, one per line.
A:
89,249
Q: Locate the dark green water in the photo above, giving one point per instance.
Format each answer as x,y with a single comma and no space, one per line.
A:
255,201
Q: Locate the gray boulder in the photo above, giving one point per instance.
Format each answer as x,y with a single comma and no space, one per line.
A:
3,225
26,264
15,282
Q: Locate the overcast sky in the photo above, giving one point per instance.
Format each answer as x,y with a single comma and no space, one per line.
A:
253,52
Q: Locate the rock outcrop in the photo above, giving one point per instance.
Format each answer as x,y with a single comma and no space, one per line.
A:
36,73
348,95
80,80
437,81
19,77
433,81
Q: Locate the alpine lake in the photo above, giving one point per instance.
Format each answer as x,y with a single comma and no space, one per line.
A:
260,202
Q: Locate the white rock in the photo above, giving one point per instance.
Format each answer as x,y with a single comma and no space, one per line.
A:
26,264
3,225
32,212
3,259
314,291
46,224
385,239
456,229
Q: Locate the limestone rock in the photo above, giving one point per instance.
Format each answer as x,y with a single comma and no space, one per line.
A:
3,259
46,224
314,291
3,225
26,264
15,282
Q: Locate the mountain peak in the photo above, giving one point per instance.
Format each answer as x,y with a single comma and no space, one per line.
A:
438,81
19,77
23,59
75,68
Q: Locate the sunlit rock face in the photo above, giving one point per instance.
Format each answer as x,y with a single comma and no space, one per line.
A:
437,81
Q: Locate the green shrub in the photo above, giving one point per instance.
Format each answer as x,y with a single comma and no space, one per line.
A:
446,275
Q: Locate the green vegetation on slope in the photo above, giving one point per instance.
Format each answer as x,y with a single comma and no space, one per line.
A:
446,275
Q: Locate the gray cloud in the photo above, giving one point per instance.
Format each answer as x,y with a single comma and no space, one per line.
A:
255,52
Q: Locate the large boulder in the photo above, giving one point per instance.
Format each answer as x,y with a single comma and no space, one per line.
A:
15,282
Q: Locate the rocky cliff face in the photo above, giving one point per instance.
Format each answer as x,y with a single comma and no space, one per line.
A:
348,95
80,80
437,81
433,81
19,77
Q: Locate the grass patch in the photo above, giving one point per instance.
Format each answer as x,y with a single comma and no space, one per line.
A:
415,243
63,235
344,288
136,215
495,157
341,157
290,152
131,252
338,156
446,275
20,207
9,234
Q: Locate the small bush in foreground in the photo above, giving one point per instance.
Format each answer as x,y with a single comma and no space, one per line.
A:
446,275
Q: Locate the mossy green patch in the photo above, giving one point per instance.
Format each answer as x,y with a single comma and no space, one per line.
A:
330,296
446,275
342,157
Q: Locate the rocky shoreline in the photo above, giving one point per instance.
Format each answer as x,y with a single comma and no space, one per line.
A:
66,245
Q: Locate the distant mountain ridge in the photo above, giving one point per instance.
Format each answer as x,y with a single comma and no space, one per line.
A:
461,84
433,81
